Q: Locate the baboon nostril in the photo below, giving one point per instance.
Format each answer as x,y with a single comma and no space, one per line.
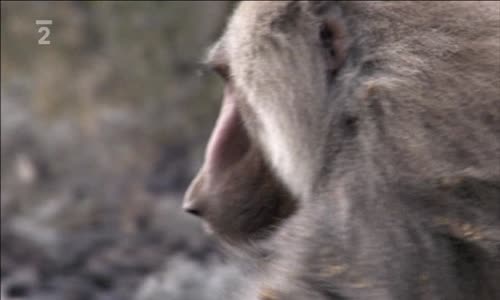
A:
192,210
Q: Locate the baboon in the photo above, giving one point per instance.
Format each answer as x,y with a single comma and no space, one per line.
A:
382,120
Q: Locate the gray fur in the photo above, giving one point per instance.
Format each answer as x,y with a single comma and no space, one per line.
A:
395,161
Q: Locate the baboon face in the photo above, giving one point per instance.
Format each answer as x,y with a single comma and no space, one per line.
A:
278,65
236,192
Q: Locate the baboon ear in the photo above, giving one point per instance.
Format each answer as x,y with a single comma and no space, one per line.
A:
334,41
333,34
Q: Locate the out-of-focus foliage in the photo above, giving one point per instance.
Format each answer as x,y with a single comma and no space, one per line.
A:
101,131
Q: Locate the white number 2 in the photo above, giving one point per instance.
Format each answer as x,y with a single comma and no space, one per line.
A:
44,30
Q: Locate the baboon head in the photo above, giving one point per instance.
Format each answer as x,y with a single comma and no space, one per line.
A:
381,120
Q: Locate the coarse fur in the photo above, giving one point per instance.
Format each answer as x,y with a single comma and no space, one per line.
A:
389,140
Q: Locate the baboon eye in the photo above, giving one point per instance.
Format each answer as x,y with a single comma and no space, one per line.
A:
222,70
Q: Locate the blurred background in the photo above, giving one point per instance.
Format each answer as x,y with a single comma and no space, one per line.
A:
101,132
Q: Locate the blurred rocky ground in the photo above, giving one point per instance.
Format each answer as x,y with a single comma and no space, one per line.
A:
101,132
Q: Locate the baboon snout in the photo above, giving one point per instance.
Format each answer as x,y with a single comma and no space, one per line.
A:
192,202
